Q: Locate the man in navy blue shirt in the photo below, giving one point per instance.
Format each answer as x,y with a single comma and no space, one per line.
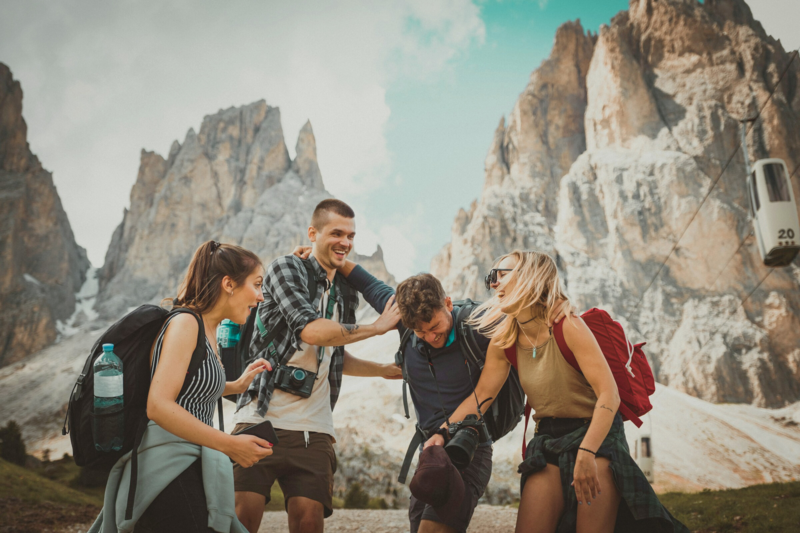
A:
429,313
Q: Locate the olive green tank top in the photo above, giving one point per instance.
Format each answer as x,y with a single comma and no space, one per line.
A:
553,387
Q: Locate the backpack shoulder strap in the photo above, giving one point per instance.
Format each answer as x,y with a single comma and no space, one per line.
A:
349,296
400,360
312,279
417,441
466,335
511,355
558,333
199,355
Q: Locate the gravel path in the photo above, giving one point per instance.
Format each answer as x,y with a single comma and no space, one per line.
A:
487,519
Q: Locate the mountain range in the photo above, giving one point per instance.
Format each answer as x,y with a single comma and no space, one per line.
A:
619,158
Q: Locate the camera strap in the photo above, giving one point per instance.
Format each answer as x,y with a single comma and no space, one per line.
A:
328,315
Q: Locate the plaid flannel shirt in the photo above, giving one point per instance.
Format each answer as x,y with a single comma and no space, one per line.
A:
286,297
646,514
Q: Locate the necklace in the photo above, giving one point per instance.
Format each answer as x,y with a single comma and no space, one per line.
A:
529,339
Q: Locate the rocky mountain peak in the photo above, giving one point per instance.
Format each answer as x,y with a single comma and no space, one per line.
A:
610,150
43,267
234,182
523,167
14,153
305,162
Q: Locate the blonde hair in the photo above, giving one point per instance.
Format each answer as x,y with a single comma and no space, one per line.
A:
536,286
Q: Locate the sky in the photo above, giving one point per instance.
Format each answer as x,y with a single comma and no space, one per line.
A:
403,95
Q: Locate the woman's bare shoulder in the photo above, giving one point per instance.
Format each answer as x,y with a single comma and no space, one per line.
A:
183,324
575,329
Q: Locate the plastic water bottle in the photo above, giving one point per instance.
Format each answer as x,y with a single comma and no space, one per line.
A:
108,426
228,334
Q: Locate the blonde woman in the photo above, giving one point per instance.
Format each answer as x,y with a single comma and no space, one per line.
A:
578,474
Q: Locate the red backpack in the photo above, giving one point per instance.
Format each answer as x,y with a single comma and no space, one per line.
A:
627,362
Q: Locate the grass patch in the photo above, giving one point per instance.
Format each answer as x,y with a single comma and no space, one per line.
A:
758,509
277,501
31,502
28,486
773,507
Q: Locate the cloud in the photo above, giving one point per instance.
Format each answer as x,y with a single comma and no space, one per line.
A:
104,79
779,18
400,235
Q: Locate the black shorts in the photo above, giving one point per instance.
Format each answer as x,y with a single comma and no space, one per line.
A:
300,470
180,508
476,476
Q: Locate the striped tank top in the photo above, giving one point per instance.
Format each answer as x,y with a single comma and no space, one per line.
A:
204,390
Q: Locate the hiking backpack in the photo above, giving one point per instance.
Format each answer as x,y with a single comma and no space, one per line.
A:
236,358
507,408
133,337
627,361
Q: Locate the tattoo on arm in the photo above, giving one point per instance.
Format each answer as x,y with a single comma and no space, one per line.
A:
348,329
610,410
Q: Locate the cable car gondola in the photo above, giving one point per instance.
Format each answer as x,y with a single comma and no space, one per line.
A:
773,209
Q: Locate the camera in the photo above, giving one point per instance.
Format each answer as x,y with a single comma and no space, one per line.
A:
464,439
294,380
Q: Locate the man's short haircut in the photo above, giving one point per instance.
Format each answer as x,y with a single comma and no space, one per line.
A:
323,210
418,298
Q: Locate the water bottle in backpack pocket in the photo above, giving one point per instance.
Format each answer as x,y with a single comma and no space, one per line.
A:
108,422
107,408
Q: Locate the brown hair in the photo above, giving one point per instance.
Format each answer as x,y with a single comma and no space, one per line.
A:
418,298
323,210
212,261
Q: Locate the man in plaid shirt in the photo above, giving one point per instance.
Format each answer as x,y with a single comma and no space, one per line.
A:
309,336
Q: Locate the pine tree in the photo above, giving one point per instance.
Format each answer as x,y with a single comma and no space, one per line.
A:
356,497
12,448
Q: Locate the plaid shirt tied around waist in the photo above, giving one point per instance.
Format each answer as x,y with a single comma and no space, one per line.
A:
640,510
287,301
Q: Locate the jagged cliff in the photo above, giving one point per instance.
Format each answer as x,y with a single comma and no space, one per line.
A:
524,166
234,182
42,266
608,184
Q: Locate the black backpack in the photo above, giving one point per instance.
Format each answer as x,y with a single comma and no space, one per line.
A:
236,358
507,408
133,337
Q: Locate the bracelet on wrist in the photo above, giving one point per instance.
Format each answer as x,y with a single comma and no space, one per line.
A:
588,451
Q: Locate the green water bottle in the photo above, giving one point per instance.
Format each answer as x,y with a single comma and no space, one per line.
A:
228,334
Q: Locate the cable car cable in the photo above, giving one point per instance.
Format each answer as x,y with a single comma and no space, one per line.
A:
725,266
713,184
734,312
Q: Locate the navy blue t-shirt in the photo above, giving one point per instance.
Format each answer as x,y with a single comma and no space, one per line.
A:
452,373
